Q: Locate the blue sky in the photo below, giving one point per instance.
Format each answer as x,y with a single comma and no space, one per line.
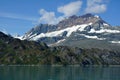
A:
19,16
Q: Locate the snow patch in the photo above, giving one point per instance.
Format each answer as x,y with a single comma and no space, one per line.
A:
96,16
92,37
105,24
115,42
57,42
103,31
90,23
29,34
60,41
19,37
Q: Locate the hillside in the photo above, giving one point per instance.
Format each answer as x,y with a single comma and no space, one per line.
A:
22,52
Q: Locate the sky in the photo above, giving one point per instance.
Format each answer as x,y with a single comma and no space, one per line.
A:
19,16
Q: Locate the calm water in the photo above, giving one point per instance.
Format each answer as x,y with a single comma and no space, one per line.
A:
58,73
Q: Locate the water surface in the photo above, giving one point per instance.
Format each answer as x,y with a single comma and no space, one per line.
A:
59,73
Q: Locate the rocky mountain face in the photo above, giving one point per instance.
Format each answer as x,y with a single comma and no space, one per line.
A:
22,52
78,20
87,31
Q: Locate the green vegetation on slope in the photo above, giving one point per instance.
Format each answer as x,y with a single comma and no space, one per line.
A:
17,52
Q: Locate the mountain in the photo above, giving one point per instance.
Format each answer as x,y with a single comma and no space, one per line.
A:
22,52
86,31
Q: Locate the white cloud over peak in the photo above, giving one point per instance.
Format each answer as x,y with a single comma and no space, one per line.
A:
49,17
71,8
67,10
95,6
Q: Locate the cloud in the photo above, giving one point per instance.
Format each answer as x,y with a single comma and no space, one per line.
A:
17,16
67,10
71,8
96,6
49,17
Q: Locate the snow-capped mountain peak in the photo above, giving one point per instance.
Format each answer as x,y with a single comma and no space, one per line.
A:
74,28
97,16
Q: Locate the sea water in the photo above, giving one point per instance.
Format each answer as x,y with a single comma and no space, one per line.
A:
59,73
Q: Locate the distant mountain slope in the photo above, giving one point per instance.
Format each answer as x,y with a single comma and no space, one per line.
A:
77,30
19,52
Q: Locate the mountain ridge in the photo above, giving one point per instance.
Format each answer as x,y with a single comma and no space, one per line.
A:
74,29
